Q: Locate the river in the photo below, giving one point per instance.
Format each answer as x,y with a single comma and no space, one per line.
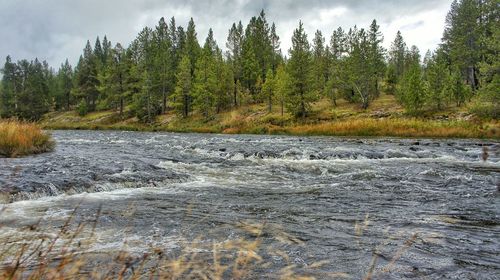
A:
393,208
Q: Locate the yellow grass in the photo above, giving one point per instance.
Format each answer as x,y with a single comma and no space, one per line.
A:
23,138
397,128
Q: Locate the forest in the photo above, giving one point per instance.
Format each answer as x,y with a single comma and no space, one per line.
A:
166,69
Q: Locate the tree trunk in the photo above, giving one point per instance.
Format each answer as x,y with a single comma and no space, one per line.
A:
67,101
235,93
270,104
121,105
164,106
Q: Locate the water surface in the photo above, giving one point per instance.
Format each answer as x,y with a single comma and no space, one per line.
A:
338,200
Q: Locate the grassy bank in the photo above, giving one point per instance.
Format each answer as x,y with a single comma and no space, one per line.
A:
384,117
23,138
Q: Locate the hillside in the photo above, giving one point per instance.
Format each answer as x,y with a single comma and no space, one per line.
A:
384,117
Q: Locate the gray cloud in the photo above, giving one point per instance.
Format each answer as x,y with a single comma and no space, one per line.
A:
54,30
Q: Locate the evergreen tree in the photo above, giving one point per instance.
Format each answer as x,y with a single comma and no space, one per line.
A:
268,89
225,84
358,75
412,90
319,69
184,87
462,38
87,81
65,84
10,89
376,55
397,56
147,103
192,47
283,86
437,75
276,58
250,67
165,74
235,49
205,82
302,93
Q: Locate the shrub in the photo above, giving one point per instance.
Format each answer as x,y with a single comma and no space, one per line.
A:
82,108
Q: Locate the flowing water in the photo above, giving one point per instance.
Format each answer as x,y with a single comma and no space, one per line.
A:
424,208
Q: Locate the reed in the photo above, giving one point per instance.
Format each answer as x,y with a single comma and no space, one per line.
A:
19,138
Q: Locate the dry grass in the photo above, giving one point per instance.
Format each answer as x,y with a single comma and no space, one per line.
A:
397,128
23,138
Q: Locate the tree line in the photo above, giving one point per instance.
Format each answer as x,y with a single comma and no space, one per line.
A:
166,69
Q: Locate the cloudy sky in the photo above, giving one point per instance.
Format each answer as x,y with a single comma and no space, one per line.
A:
54,30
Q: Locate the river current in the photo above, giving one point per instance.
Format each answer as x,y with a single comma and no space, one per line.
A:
426,209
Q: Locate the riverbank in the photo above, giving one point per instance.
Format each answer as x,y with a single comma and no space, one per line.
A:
384,118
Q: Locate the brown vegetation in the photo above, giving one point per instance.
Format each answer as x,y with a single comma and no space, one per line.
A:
23,138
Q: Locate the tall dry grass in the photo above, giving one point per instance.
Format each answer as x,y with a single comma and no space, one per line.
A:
396,128
19,138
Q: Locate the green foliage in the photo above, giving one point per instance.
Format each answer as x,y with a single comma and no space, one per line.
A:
25,90
205,82
359,81
268,89
438,77
299,68
182,95
412,91
283,86
82,109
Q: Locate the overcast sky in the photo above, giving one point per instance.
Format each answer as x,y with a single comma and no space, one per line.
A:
54,30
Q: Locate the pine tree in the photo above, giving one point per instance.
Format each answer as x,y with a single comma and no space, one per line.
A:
147,101
225,84
205,82
358,75
235,49
192,47
283,86
489,97
250,67
302,93
319,68
376,55
87,81
183,89
10,89
165,74
335,58
437,76
462,38
268,89
65,84
276,58
412,90
397,56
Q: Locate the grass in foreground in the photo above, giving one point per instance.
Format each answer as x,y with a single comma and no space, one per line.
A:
23,138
